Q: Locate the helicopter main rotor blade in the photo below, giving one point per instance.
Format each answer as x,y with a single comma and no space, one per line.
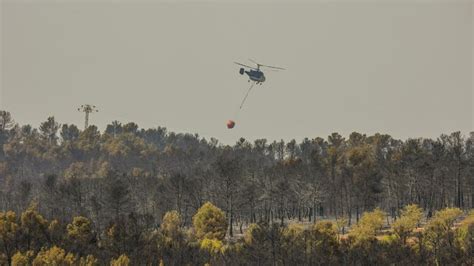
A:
260,65
273,67
243,65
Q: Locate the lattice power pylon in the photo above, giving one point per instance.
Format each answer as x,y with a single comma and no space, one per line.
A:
87,109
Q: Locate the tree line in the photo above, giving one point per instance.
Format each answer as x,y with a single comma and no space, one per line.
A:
32,240
146,173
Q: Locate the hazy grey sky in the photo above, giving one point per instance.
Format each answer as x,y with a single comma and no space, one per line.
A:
398,67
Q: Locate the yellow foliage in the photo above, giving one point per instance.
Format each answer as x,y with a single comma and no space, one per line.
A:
367,227
32,222
293,233
465,233
341,224
444,219
171,226
8,226
325,228
112,231
54,226
55,230
123,260
22,259
293,229
88,261
210,222
54,256
439,228
468,221
410,218
80,229
214,246
248,236
126,144
293,241
323,237
387,239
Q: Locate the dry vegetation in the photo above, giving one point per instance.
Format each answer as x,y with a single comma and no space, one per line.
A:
138,196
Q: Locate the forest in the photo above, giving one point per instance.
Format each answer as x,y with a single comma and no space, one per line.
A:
134,196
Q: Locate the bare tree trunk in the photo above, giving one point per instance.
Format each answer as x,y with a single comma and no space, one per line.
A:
314,211
357,213
459,201
231,217
282,216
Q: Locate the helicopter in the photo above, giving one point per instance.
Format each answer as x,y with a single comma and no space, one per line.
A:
255,74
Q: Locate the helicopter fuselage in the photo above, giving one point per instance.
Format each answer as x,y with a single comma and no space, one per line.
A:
254,75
